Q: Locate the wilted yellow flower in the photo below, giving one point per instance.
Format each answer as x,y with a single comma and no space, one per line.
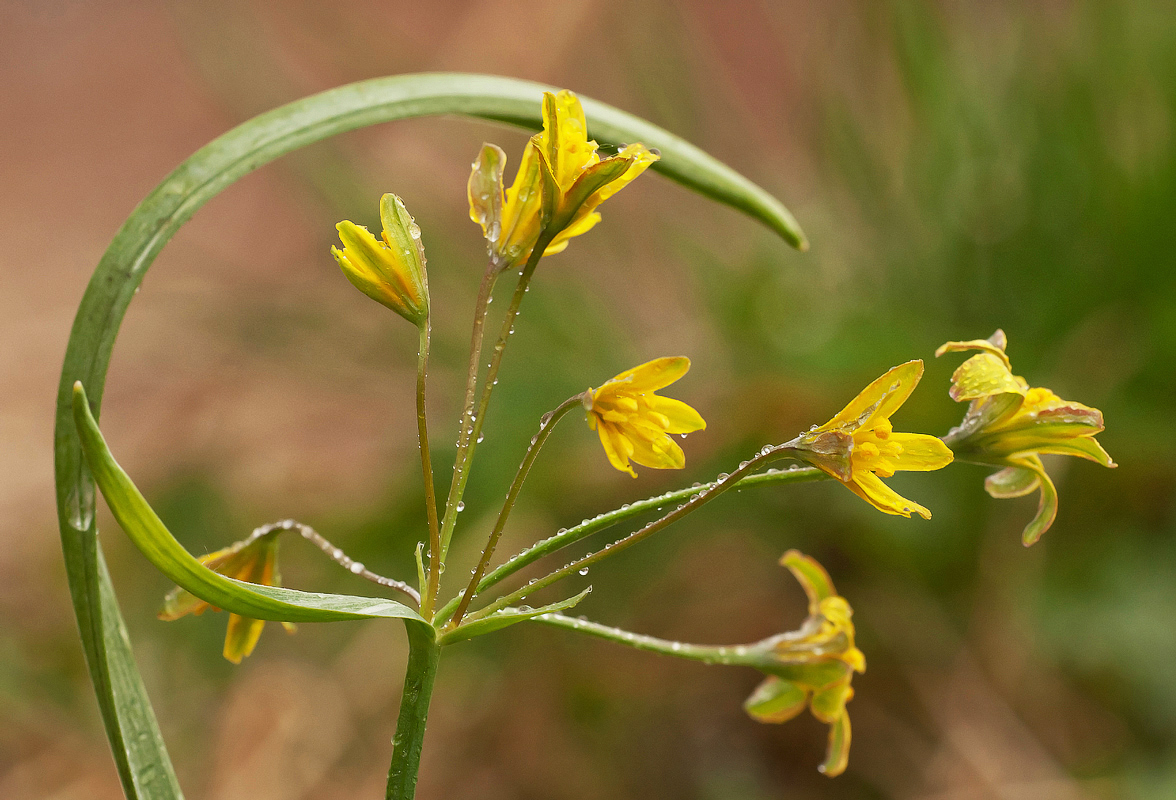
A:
390,270
635,424
812,666
253,560
859,446
563,155
1010,424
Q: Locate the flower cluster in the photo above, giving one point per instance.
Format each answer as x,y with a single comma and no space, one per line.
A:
1010,425
814,665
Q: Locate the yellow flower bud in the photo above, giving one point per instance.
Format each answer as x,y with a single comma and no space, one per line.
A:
390,270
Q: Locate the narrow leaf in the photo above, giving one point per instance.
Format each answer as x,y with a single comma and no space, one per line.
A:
505,617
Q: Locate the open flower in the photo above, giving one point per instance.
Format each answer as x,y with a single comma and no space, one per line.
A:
635,424
391,269
812,666
1011,425
254,560
859,446
561,162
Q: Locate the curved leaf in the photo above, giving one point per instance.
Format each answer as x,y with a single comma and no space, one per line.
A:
155,541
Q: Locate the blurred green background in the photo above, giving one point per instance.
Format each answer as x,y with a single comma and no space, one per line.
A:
957,166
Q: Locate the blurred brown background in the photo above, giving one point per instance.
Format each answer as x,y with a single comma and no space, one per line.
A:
958,167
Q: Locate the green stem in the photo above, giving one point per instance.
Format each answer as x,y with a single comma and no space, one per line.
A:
423,655
457,482
472,420
724,483
569,536
745,655
430,593
546,426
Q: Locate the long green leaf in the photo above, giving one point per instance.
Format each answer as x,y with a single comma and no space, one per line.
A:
130,723
506,617
155,541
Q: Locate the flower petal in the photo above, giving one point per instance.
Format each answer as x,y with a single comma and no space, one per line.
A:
485,191
1083,447
653,375
880,399
870,488
920,452
241,637
983,375
682,418
1047,503
775,700
1011,482
837,755
660,453
811,576
608,439
994,345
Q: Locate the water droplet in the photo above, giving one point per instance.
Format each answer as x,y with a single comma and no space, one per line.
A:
584,571
460,505
336,553
80,501
356,567
676,646
489,300
481,436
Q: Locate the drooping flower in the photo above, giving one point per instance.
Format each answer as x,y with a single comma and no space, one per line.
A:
561,163
254,560
812,666
391,269
1009,424
635,424
859,446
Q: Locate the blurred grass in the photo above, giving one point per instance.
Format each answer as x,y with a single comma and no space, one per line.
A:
958,168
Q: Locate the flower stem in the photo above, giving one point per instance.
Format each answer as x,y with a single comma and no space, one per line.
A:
423,655
434,577
729,655
473,419
724,483
604,521
461,461
546,425
335,554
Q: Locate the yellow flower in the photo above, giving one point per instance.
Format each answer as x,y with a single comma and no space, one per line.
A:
814,665
1010,424
562,162
859,446
253,560
635,424
390,270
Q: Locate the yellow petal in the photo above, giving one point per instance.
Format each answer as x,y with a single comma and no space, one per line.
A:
837,755
653,375
582,224
520,210
880,399
485,192
829,703
994,345
241,637
920,452
1047,502
565,137
681,417
608,440
661,453
811,576
775,700
870,488
983,375
1011,482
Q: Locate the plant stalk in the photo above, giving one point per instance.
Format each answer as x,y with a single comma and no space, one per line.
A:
472,419
546,425
423,655
429,593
